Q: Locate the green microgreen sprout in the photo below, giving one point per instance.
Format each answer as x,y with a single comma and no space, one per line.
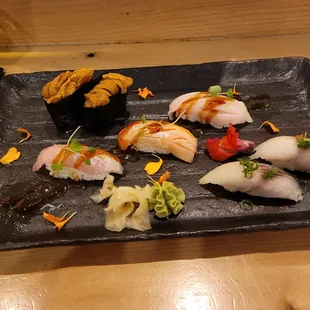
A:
270,173
303,142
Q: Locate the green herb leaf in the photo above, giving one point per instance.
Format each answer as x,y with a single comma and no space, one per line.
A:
303,142
230,93
249,167
270,173
143,118
57,166
75,146
91,149
214,90
87,161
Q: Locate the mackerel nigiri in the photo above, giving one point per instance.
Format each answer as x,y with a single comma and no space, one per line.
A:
255,179
218,111
159,137
288,152
86,164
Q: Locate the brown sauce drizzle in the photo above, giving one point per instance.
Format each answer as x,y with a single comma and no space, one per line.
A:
209,110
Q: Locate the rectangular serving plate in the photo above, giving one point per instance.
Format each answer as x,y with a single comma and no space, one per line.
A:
274,89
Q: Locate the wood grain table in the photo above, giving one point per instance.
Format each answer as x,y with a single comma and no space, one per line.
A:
267,270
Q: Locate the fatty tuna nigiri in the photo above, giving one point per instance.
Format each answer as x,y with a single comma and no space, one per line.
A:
255,179
82,163
218,111
288,152
159,137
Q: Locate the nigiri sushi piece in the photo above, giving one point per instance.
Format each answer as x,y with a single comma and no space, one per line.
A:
255,179
217,111
85,164
285,152
159,137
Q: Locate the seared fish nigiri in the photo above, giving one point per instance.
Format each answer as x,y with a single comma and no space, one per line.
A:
219,111
255,179
159,137
87,164
285,152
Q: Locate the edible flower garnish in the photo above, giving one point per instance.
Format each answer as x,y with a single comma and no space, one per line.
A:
271,125
303,141
59,222
143,93
229,145
216,90
164,177
73,147
270,173
249,167
12,155
152,167
28,134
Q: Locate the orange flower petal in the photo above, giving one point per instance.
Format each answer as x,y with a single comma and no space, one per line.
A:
143,93
12,155
271,125
28,134
164,177
54,219
60,225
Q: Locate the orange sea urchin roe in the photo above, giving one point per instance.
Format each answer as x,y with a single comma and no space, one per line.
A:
66,84
110,85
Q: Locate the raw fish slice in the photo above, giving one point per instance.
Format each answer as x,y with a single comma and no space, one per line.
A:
217,111
283,152
231,177
101,164
159,137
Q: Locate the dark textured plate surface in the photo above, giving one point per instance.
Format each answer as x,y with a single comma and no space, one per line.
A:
273,89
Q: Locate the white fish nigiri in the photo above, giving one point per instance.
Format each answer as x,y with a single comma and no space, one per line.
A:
266,181
283,152
219,111
159,137
85,165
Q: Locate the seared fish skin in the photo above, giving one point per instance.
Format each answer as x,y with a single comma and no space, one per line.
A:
217,111
159,137
230,176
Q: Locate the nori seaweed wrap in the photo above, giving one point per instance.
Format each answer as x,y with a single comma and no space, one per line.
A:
64,97
106,101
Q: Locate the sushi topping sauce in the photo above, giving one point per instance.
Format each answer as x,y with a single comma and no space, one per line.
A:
230,145
271,125
145,92
249,167
303,142
270,173
28,134
85,153
59,222
11,155
153,167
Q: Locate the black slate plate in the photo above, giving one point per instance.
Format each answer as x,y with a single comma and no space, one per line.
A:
273,89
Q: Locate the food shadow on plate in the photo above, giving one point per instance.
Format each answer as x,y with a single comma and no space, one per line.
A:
220,193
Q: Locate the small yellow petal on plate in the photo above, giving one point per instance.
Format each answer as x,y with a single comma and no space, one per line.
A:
152,167
271,125
12,155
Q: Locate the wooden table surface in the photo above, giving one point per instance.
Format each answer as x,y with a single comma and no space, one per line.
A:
266,270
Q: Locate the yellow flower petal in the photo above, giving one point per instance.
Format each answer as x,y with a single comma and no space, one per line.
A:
10,156
54,219
152,167
271,125
143,93
28,134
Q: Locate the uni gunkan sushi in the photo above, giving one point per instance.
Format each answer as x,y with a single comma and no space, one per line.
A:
106,101
63,95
